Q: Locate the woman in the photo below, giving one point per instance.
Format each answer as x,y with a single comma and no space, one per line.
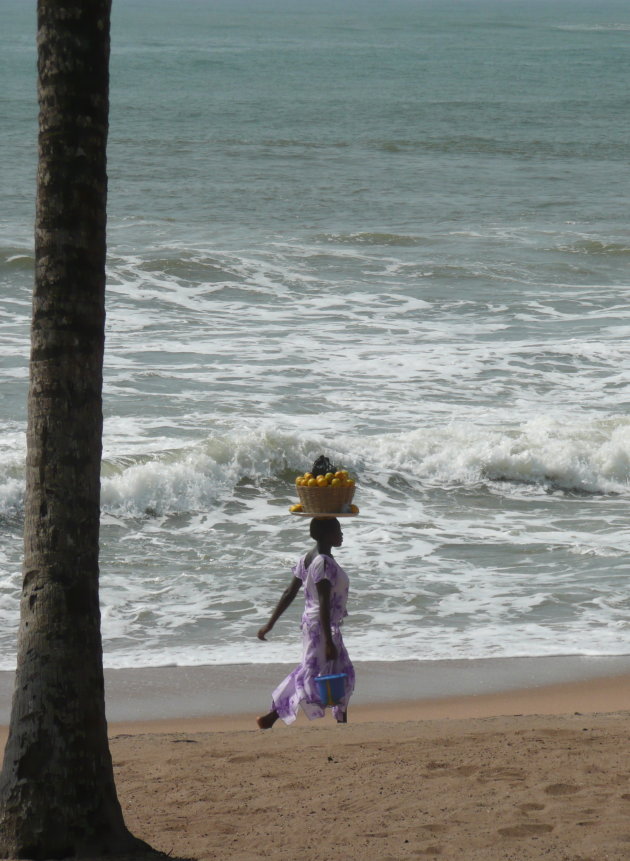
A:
326,592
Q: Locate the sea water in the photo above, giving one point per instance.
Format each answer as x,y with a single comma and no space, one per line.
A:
396,234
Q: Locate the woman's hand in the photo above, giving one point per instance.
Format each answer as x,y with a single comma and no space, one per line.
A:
285,601
264,631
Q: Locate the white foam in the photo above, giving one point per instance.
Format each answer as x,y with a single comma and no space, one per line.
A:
591,457
486,431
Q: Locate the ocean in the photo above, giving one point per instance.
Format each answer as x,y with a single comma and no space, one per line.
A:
396,234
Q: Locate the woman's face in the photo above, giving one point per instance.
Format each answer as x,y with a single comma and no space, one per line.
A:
336,535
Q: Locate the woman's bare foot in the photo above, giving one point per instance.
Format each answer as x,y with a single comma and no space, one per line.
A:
268,720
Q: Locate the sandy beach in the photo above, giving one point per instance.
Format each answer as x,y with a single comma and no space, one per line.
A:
524,773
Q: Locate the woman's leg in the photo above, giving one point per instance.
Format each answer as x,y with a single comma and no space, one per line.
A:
343,664
268,720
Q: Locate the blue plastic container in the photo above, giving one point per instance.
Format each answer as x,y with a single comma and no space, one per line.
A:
331,689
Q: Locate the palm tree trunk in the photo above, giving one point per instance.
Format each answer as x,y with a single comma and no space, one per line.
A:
57,791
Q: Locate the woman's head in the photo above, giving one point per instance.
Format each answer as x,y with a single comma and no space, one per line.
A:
326,531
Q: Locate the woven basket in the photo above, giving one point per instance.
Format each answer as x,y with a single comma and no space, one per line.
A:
324,500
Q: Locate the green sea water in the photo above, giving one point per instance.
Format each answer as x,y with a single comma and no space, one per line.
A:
394,232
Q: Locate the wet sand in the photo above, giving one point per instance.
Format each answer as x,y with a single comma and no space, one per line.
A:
211,691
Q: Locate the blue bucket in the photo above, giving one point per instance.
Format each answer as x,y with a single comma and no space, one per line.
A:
332,689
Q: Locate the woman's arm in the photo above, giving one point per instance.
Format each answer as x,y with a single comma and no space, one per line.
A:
285,601
323,592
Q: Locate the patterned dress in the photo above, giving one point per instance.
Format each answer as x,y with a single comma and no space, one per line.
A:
299,688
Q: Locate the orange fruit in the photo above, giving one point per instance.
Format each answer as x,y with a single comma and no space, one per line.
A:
312,482
335,482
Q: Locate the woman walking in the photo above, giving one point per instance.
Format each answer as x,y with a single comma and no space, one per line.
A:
325,595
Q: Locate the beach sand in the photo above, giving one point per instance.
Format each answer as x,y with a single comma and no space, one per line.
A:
525,773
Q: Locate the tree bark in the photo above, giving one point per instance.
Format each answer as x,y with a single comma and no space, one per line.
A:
57,791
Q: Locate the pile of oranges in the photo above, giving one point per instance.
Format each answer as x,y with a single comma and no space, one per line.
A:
341,478
338,490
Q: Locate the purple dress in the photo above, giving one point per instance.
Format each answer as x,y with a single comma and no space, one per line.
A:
299,688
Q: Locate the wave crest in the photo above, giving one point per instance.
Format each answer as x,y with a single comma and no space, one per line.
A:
543,453
593,458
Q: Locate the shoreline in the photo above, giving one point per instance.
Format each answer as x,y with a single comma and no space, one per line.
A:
227,697
598,696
